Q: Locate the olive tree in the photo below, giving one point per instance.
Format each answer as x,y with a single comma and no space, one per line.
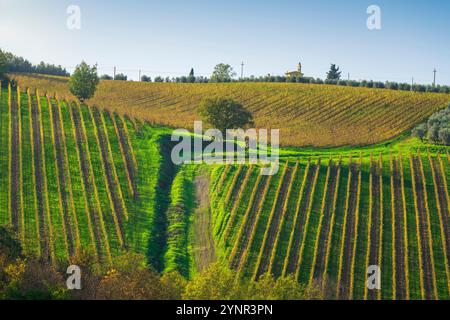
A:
420,131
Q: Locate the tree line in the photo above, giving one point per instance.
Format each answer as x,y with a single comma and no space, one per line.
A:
10,63
225,73
222,73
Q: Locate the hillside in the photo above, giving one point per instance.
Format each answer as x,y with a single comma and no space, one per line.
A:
76,178
324,221
307,115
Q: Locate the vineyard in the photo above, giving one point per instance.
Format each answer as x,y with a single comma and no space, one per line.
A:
325,220
76,178
307,115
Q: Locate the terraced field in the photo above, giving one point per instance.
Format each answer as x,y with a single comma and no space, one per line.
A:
307,115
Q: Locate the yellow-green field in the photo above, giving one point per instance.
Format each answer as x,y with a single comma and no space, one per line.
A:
307,115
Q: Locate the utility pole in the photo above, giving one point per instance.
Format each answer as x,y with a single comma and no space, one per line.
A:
348,76
114,73
434,78
412,83
139,75
242,70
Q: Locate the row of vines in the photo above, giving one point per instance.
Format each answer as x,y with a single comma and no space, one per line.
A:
325,221
306,114
69,178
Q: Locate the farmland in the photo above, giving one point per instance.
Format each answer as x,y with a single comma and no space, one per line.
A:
78,178
307,115
323,221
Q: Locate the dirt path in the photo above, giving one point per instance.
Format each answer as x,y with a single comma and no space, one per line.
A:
36,127
80,141
62,176
323,239
426,258
273,231
375,227
118,209
203,246
299,226
443,202
399,243
15,189
129,161
350,234
243,241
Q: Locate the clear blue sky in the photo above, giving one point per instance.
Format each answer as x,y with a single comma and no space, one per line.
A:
169,37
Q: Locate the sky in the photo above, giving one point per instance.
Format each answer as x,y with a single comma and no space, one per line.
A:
169,37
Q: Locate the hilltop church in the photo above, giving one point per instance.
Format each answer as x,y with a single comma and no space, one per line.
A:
295,74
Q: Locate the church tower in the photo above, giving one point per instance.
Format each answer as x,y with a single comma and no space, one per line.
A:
295,74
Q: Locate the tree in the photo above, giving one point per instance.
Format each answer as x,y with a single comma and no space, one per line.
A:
419,131
433,133
334,73
145,78
84,81
159,79
121,77
3,66
444,136
223,114
106,77
191,77
222,73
